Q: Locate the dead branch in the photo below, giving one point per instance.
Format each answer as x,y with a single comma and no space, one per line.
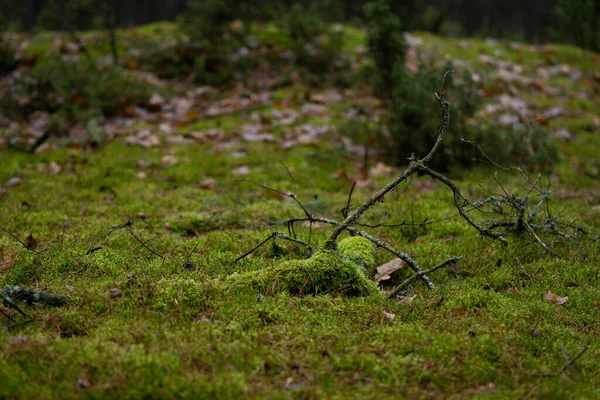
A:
126,225
404,285
13,294
458,202
274,235
378,242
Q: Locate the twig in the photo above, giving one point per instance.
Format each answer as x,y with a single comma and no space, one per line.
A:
273,235
458,202
537,238
20,241
572,362
8,301
403,256
125,225
30,296
111,230
426,221
348,203
289,195
407,282
415,165
144,244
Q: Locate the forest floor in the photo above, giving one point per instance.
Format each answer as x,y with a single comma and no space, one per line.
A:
152,313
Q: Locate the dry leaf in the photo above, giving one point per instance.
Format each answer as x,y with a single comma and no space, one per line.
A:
12,182
564,134
385,270
551,297
168,161
143,164
381,169
243,170
208,184
31,242
407,299
389,315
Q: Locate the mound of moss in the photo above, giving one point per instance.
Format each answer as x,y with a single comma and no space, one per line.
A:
340,271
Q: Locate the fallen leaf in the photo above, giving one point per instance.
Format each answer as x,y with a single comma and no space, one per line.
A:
389,315
563,134
536,333
551,297
252,133
12,182
553,112
168,161
243,170
208,184
385,270
407,299
156,101
143,164
380,169
190,266
54,168
31,242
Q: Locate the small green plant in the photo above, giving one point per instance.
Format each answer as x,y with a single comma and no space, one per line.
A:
386,46
409,109
8,61
216,31
316,46
578,22
74,91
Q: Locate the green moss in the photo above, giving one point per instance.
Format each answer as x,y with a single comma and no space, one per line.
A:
326,271
360,251
192,325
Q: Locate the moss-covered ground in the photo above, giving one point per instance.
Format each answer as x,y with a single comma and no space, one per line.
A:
169,323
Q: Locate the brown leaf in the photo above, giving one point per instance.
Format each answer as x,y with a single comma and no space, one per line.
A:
31,242
208,184
243,170
564,134
385,270
389,315
407,299
12,182
168,161
381,169
551,297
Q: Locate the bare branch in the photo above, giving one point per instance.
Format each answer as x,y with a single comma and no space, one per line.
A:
20,241
404,285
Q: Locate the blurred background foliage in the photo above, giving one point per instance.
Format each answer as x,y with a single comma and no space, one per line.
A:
217,42
569,21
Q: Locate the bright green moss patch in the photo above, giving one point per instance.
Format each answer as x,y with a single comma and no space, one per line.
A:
325,272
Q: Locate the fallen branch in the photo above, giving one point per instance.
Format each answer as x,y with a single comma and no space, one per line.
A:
11,295
126,225
273,235
404,285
